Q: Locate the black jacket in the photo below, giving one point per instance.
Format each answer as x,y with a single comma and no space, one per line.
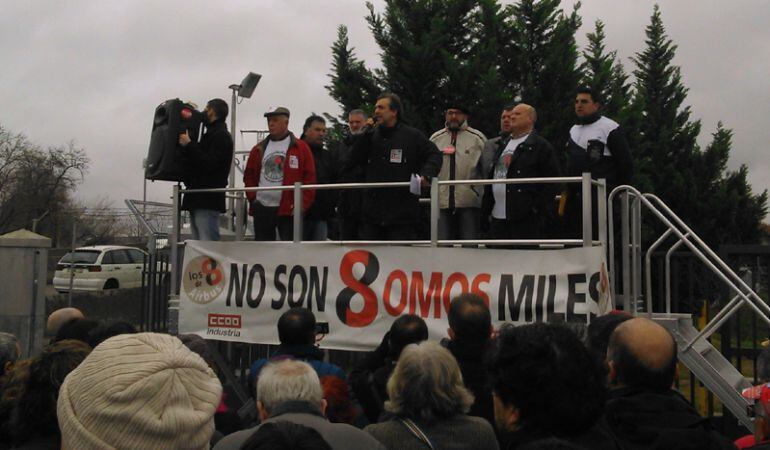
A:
208,166
648,419
470,358
350,200
391,155
326,172
597,145
369,378
534,157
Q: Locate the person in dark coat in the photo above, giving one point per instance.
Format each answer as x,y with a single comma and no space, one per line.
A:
470,332
545,384
392,152
370,376
521,211
350,200
208,166
643,411
316,226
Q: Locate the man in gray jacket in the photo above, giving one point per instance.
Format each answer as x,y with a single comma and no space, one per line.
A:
461,146
290,391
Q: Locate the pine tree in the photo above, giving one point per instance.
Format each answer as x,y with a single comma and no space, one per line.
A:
729,211
605,74
540,62
353,86
667,137
717,204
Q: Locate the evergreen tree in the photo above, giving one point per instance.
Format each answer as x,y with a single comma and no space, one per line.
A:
353,86
603,72
667,137
540,62
729,211
717,204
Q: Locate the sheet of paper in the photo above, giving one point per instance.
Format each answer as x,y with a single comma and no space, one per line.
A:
414,184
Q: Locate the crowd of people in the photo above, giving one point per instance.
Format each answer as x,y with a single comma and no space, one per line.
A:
383,148
609,385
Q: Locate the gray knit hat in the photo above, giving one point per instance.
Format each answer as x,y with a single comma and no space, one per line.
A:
139,391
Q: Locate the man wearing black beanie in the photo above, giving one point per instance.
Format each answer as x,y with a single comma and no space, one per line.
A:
208,167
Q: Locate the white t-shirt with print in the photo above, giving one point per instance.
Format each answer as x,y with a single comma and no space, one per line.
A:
272,171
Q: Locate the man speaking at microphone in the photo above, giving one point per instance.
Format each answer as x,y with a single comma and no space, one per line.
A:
208,167
391,152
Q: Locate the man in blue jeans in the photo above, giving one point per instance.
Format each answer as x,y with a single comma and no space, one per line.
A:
208,166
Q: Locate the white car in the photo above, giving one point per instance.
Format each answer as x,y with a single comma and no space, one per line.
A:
100,267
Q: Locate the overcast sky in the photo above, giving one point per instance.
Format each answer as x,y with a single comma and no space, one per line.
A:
94,71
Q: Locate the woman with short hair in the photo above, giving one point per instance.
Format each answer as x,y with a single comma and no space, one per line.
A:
430,402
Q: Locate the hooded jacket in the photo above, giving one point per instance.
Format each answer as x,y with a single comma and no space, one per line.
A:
468,144
297,167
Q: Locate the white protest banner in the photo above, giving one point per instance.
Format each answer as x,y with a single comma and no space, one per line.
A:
236,291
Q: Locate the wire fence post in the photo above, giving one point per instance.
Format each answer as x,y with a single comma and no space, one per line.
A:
174,239
434,212
297,212
587,210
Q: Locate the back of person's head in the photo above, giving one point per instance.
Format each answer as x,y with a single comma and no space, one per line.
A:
34,412
288,380
59,317
763,366
339,408
598,334
470,319
407,329
104,332
78,328
550,444
9,351
283,435
143,390
642,354
198,345
296,327
427,385
544,372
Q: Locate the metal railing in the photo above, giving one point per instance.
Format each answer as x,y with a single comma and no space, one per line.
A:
587,239
634,295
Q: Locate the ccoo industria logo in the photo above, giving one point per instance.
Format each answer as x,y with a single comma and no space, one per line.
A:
203,279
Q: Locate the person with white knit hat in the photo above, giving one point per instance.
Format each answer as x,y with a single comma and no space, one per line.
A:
139,391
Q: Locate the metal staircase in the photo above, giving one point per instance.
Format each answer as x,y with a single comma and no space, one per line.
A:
706,363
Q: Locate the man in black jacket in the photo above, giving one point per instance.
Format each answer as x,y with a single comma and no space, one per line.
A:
643,411
470,333
392,152
316,226
596,145
519,211
351,200
208,167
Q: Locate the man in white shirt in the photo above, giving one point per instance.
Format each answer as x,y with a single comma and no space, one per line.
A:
520,211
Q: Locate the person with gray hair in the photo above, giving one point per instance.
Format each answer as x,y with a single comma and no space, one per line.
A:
430,402
10,350
290,391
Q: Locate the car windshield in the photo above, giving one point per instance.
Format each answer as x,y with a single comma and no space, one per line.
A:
80,257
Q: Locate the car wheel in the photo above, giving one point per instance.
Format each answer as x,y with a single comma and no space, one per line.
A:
111,284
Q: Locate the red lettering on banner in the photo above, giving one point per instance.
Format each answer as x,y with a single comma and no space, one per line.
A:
400,276
476,286
224,321
418,296
455,278
361,287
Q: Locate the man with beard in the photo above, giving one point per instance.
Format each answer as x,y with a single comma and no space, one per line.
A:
208,167
349,205
462,146
392,152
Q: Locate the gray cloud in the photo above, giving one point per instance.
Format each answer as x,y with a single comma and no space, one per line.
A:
94,71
